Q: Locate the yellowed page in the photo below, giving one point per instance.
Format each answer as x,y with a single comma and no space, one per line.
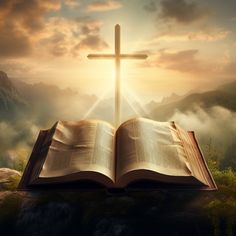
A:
150,145
80,146
193,156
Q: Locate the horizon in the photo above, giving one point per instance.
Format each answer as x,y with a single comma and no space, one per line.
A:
143,103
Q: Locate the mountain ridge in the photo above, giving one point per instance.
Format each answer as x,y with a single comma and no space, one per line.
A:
10,99
40,101
223,96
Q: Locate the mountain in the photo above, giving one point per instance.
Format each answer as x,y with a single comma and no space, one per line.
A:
40,102
165,100
10,100
49,103
223,96
228,88
173,97
6,84
32,92
26,108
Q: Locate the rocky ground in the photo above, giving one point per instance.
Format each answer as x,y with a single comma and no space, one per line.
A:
100,212
9,179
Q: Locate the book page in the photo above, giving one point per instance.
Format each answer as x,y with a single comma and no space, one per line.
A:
190,147
80,146
150,145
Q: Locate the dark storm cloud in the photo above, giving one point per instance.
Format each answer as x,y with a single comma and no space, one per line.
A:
19,21
182,11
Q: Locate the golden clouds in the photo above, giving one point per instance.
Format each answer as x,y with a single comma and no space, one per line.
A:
26,29
190,62
182,61
209,35
68,37
103,5
93,42
19,20
72,3
49,39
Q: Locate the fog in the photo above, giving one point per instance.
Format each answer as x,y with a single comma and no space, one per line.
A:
16,141
214,127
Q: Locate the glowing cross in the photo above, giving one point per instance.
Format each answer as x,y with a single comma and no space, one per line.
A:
117,57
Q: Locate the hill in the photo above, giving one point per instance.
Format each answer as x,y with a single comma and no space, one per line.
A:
40,102
10,100
223,96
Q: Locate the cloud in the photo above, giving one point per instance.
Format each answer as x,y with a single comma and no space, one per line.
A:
230,68
16,141
182,61
216,125
72,3
209,35
103,5
93,42
73,36
16,67
19,21
14,43
189,61
182,11
26,16
150,6
225,66
27,30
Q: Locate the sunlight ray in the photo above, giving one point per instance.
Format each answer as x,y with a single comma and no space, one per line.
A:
92,108
131,105
134,99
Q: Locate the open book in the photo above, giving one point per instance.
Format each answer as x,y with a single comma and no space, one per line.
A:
139,151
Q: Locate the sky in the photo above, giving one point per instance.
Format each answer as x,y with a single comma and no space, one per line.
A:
191,45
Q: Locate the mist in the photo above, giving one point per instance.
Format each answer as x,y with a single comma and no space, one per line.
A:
16,141
215,128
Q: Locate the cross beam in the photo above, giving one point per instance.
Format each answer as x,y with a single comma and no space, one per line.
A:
117,57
